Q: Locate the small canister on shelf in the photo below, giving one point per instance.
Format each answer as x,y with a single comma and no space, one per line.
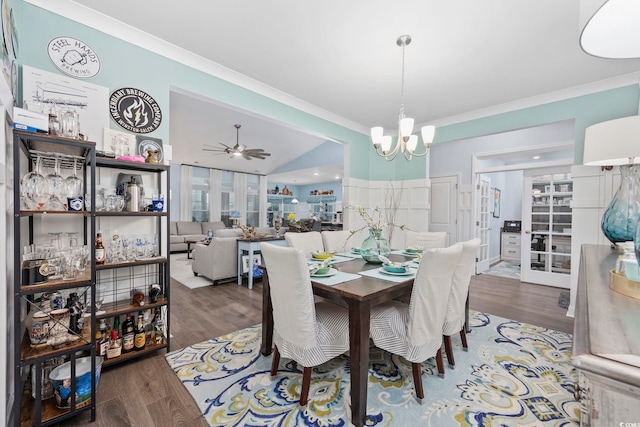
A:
35,271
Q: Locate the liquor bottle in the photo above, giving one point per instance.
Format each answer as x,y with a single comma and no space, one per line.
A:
104,339
148,326
140,335
158,325
98,340
116,325
100,251
127,334
114,349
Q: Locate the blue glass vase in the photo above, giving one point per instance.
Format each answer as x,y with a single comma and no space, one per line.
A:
620,219
373,246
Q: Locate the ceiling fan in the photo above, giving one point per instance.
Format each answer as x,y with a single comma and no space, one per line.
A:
239,149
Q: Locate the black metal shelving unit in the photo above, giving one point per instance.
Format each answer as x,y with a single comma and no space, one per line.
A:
28,411
29,359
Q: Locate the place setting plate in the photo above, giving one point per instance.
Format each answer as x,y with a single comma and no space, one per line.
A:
331,272
409,272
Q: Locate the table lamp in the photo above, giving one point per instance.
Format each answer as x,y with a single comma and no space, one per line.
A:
617,143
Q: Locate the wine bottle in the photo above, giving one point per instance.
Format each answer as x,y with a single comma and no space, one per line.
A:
127,334
100,251
140,335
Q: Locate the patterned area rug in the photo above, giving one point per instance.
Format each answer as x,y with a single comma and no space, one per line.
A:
510,269
514,374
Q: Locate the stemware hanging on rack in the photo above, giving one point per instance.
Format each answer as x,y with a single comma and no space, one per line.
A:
74,184
57,189
34,188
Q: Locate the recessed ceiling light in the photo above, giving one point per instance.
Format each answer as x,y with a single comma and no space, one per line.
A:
536,157
315,173
337,176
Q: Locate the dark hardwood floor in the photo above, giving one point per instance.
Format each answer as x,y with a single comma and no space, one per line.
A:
145,392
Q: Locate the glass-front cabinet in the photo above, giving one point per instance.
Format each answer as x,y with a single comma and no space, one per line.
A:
546,245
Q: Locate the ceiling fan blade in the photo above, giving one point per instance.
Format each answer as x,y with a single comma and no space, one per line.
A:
246,156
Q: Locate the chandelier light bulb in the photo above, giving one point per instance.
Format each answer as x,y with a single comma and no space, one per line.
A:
386,144
406,127
428,132
412,143
376,135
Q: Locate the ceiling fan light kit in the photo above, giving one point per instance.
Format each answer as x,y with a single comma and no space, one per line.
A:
407,143
239,150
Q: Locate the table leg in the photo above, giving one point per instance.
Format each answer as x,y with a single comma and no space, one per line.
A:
250,272
466,315
188,250
267,315
359,312
239,264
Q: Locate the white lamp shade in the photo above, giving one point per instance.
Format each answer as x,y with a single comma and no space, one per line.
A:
376,135
428,132
611,28
386,143
406,127
615,142
412,143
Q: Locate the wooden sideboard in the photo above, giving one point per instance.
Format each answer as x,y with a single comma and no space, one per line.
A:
606,344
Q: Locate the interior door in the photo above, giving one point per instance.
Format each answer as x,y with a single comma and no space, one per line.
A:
483,221
444,206
546,221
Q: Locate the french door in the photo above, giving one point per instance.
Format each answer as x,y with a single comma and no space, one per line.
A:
483,222
546,221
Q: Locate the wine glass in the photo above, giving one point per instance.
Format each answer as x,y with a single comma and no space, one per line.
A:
74,184
57,189
34,187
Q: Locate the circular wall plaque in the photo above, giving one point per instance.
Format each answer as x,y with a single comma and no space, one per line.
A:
73,57
135,110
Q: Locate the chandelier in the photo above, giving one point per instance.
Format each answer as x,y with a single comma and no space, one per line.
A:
406,143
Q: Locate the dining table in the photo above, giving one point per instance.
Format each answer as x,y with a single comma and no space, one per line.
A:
359,294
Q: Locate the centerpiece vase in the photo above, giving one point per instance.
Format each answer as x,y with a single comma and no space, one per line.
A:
620,218
373,246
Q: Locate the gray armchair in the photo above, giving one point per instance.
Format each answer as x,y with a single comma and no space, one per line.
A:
218,260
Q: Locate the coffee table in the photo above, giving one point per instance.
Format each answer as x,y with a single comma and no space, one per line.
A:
193,242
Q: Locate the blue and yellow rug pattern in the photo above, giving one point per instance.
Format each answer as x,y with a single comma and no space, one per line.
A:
514,374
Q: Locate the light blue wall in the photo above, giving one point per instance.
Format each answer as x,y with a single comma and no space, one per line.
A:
586,110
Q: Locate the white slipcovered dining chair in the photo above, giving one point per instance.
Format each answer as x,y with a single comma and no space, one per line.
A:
414,331
307,332
455,320
336,241
426,239
309,242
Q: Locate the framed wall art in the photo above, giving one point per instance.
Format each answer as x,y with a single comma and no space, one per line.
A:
496,203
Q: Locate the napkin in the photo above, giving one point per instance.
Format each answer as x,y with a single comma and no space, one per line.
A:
315,267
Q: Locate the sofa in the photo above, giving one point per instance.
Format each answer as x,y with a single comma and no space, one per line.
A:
219,259
182,231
